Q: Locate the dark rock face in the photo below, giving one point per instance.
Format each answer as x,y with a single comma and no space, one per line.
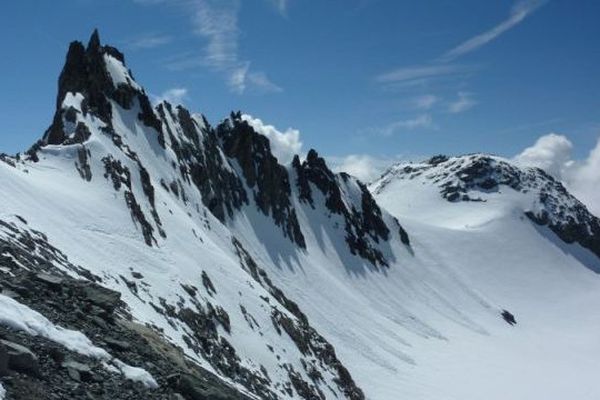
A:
204,339
202,162
365,226
263,174
208,285
82,165
313,346
20,358
117,172
438,159
508,317
583,228
85,72
139,218
482,174
3,361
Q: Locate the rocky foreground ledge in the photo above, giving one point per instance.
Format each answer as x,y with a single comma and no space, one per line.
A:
35,367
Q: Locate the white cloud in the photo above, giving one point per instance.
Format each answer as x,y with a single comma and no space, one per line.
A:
261,82
417,73
174,96
422,121
463,103
281,6
242,76
518,13
284,145
362,166
237,78
553,153
444,68
216,22
425,102
150,41
584,180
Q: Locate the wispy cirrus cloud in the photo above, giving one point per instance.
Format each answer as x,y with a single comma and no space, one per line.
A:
425,102
216,22
445,67
520,11
242,77
464,101
418,72
421,121
281,6
149,41
442,67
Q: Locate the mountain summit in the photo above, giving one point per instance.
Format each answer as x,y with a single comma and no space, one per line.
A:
483,178
145,253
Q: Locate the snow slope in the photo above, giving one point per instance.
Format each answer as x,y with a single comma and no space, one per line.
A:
518,265
290,281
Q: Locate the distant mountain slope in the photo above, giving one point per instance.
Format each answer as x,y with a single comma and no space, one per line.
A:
519,239
483,178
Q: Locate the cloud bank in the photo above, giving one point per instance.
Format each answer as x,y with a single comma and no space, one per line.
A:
553,153
174,96
362,166
284,145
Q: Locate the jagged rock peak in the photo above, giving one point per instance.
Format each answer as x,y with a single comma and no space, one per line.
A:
85,69
364,224
94,42
268,179
92,78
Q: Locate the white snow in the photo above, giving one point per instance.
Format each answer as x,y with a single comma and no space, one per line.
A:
119,73
2,392
21,317
136,374
498,254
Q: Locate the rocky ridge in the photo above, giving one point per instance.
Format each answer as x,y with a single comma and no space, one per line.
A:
472,178
152,160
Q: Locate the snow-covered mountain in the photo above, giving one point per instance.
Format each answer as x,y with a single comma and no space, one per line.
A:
184,260
518,239
483,178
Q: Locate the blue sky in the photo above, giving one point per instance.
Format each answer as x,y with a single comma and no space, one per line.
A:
379,78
